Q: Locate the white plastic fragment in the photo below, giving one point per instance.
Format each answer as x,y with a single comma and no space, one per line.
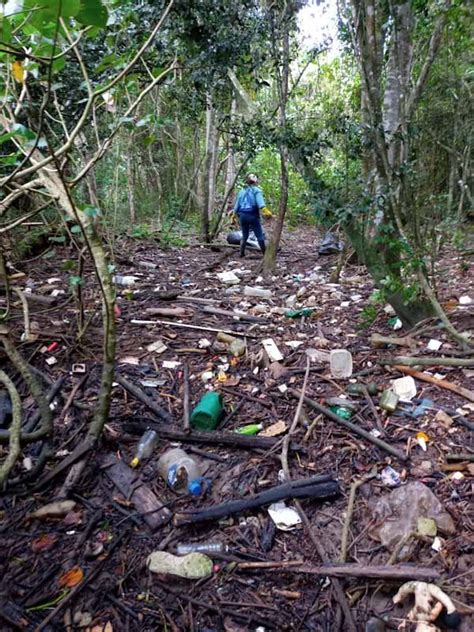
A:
171,364
397,324
405,388
157,347
294,344
207,376
340,363
434,345
51,361
259,292
285,518
130,279
282,388
273,353
465,300
204,343
228,278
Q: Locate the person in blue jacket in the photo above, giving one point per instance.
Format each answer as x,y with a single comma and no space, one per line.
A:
247,207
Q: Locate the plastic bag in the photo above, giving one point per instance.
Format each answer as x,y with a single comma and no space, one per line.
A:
330,244
235,237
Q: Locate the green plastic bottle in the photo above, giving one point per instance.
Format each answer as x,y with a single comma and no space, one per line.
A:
208,412
298,313
249,429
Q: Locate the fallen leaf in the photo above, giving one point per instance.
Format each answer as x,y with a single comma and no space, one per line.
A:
44,543
54,510
232,381
73,518
71,578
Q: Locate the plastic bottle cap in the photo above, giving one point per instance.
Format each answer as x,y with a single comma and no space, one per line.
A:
195,487
134,462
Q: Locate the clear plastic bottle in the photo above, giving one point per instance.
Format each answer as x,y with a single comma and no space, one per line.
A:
259,292
145,447
178,469
201,547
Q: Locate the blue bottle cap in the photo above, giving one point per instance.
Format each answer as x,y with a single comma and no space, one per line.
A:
195,487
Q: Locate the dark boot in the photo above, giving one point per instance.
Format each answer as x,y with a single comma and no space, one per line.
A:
242,248
262,246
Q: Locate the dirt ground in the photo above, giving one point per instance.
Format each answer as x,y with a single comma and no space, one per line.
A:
86,569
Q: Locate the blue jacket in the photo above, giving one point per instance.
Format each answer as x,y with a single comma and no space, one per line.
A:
249,199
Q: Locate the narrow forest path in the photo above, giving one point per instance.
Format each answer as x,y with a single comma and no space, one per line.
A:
106,537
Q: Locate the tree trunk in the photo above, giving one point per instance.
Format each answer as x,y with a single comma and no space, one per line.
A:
210,165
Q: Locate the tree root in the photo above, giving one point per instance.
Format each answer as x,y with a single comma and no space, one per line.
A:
14,448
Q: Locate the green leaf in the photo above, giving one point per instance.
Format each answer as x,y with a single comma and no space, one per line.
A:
69,264
76,229
5,30
91,211
74,280
58,240
92,13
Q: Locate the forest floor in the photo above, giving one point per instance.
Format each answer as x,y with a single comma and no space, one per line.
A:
85,568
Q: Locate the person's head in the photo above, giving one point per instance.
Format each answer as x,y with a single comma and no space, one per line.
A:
251,179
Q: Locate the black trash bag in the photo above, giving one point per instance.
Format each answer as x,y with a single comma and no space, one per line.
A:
330,244
235,237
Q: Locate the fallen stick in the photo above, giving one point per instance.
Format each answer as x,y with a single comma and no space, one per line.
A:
315,487
168,312
186,411
424,377
232,439
350,426
141,396
377,340
399,572
187,326
350,510
414,361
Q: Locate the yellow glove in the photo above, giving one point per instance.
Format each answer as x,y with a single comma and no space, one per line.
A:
266,212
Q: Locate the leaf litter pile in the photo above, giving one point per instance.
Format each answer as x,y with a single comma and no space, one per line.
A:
344,501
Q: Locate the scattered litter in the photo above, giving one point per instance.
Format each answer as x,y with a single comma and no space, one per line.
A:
147,443
426,527
191,566
130,360
294,344
179,469
258,292
341,363
51,361
273,353
249,429
405,388
465,300
429,603
283,388
204,343
434,345
228,278
315,355
125,280
285,518
443,418
390,477
396,323
330,244
78,368
152,382
422,440
170,364
157,347
207,376
299,313
437,544
207,414
389,401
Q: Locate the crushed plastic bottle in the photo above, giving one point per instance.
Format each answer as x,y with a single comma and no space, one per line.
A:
389,401
179,469
145,447
259,292
191,566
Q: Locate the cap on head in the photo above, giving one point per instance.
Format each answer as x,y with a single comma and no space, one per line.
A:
252,178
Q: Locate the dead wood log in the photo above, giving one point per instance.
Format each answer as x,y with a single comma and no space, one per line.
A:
401,572
352,427
231,439
315,487
128,482
377,340
423,361
142,397
424,377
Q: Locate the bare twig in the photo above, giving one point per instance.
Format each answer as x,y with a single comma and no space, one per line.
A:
14,448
